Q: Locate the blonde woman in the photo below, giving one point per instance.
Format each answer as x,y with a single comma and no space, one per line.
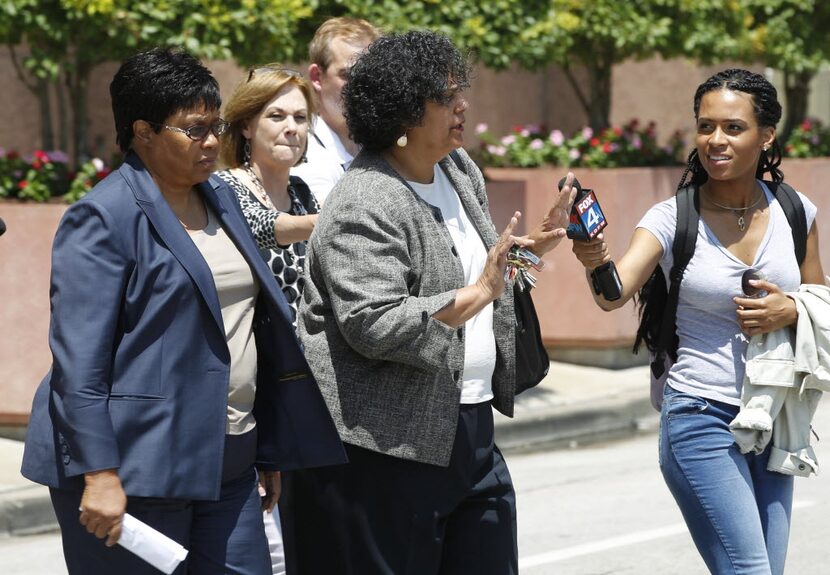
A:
269,116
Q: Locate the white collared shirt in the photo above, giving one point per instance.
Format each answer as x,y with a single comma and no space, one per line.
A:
328,160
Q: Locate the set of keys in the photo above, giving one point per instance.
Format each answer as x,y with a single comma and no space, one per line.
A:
519,262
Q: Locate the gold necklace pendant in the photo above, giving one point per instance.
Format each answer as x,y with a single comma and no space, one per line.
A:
740,212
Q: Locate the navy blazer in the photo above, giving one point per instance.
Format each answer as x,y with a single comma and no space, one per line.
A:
139,377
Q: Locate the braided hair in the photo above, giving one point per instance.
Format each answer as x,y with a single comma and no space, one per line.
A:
767,114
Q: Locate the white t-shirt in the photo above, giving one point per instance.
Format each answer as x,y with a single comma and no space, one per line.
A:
479,341
328,159
711,355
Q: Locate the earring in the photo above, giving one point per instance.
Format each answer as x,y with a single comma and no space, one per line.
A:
246,153
766,147
402,141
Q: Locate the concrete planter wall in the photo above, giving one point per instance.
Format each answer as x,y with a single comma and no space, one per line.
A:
567,314
25,257
569,318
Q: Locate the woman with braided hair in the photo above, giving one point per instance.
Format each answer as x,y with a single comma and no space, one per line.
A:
737,511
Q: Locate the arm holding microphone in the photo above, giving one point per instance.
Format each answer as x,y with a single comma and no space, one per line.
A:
612,284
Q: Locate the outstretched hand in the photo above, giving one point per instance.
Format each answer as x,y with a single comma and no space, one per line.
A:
768,313
549,232
491,281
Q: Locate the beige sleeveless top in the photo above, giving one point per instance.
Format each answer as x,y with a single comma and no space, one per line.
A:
237,289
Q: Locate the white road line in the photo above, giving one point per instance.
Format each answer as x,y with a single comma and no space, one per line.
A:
614,542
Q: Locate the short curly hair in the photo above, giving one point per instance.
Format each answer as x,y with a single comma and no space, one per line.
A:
392,81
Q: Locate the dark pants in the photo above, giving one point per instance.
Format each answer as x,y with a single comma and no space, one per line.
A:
384,515
224,536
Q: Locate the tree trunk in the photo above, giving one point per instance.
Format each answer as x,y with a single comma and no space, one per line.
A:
47,135
599,104
78,84
63,116
797,92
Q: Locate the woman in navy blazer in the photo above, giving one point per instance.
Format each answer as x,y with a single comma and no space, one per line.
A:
176,371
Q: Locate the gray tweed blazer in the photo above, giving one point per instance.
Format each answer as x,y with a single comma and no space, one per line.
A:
380,263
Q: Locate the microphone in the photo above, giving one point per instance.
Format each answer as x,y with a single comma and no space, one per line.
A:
2,227
586,222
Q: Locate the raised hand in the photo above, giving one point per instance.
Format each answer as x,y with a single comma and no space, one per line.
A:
547,234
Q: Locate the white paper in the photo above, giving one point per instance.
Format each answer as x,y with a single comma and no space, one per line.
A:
154,547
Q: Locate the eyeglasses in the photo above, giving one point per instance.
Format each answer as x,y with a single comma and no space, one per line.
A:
198,132
274,70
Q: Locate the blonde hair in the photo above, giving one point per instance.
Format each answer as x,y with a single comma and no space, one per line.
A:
350,30
249,98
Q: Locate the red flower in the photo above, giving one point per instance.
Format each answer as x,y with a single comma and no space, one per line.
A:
22,184
606,147
617,131
806,125
41,155
37,164
12,155
594,142
517,128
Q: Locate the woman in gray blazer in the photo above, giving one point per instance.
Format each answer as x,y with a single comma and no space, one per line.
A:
409,330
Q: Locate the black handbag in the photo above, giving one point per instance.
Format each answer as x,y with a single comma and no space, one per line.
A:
532,361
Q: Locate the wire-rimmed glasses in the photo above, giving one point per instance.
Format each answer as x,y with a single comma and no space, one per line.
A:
198,132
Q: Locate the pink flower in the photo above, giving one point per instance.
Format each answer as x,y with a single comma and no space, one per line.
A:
481,128
537,144
587,132
636,142
98,164
497,150
806,125
574,154
525,133
557,138
507,140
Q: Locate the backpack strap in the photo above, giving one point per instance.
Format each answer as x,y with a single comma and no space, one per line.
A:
794,210
683,248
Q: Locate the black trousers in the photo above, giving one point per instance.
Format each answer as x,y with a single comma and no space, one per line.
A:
384,515
225,536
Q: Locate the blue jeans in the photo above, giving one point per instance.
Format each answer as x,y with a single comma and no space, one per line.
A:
737,512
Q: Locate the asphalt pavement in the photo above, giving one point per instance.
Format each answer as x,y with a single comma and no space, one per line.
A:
573,405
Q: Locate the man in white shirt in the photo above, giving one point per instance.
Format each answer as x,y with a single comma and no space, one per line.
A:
335,45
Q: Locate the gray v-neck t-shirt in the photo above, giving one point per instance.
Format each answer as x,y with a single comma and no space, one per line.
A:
712,347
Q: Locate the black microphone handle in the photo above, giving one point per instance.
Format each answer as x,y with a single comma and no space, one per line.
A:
2,227
606,281
574,184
